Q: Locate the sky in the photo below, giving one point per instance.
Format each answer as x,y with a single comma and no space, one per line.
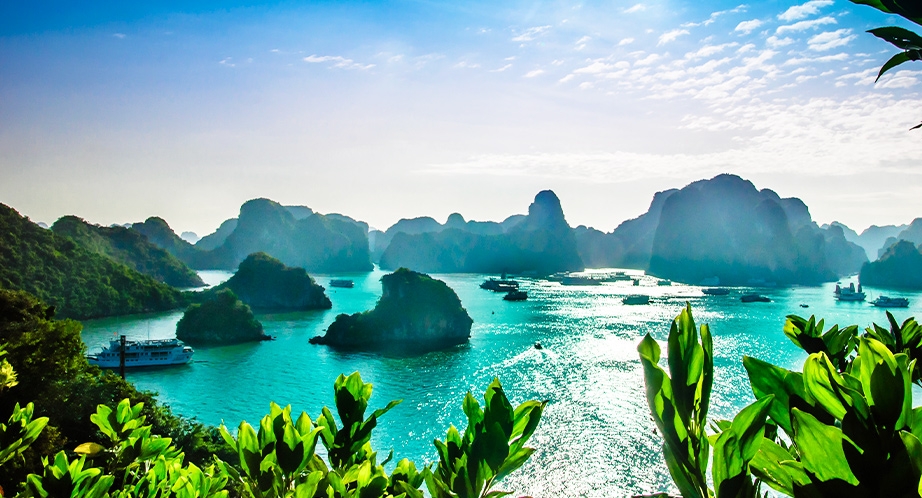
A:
389,110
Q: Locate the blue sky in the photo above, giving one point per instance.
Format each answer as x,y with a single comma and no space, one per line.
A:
401,109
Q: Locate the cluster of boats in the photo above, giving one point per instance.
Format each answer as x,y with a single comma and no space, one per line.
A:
510,287
857,294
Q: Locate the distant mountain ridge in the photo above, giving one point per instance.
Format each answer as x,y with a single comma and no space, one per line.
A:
79,283
295,235
129,248
540,242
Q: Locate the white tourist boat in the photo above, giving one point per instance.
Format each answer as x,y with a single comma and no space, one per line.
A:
849,293
891,302
148,353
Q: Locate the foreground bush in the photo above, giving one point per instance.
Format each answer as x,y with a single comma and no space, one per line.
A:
844,427
278,459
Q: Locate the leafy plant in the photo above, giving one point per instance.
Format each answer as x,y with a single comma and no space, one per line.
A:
908,41
492,446
844,427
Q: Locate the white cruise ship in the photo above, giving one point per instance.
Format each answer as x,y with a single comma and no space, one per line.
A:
149,353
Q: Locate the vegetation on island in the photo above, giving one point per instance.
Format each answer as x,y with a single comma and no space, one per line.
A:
130,248
265,283
49,358
415,312
221,319
899,267
77,282
843,427
127,454
159,233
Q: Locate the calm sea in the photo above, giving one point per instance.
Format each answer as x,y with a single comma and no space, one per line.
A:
596,437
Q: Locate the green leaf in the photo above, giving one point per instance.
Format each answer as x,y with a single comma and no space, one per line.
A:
821,448
767,466
894,61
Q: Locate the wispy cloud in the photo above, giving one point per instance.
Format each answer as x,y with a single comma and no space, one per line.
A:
805,25
467,65
714,15
531,33
804,10
338,61
227,62
638,7
533,73
120,36
670,36
830,39
775,42
625,41
811,60
501,69
746,27
581,43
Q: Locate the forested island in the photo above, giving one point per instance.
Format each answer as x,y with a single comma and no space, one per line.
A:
220,320
415,312
265,283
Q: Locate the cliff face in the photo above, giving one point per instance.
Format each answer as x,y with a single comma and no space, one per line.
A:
222,319
415,312
303,239
899,267
263,282
541,242
159,233
843,256
630,245
726,228
130,248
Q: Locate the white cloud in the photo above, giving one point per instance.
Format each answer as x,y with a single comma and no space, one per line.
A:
714,15
804,10
557,62
650,59
708,50
501,69
636,8
746,27
625,41
900,79
828,40
531,33
596,67
809,60
467,65
338,61
567,78
227,62
775,42
585,85
805,25
120,36
671,36
581,43
533,73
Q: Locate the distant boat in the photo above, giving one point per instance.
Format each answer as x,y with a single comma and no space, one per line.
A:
849,293
715,291
573,280
754,298
148,353
515,295
500,285
664,282
617,277
891,302
538,345
804,305
636,299
348,284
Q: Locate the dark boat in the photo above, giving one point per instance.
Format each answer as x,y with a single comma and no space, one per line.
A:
348,284
715,291
515,295
754,298
538,345
500,285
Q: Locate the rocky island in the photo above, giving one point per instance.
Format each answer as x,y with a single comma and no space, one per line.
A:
899,267
221,320
415,312
263,282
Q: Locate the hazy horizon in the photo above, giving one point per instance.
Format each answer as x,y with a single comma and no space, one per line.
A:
382,111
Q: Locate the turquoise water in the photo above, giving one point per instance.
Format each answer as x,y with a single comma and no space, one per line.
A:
596,437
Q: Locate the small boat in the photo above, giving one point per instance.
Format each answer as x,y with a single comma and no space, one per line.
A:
715,291
538,345
347,284
149,353
636,299
500,285
891,302
515,295
572,280
754,298
804,305
849,293
664,282
617,277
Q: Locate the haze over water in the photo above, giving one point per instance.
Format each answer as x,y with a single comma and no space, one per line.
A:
596,437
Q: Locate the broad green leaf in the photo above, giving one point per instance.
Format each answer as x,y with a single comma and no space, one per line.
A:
821,448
